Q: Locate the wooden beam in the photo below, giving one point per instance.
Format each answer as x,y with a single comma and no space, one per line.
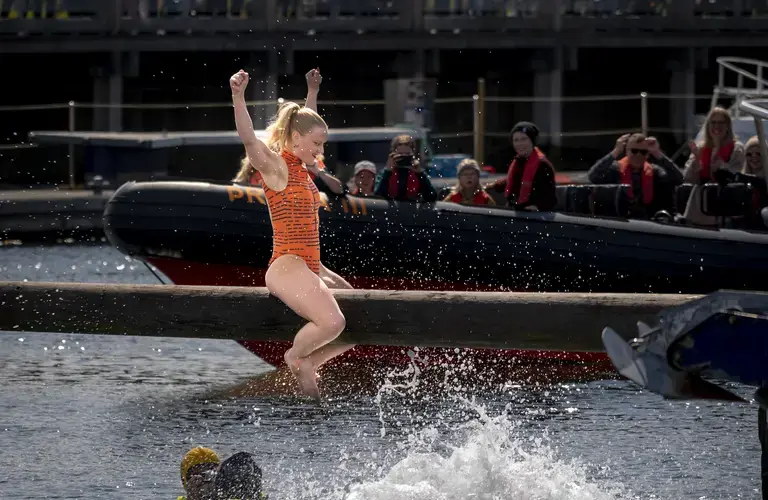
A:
558,321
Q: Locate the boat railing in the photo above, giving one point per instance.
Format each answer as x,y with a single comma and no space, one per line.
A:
758,109
751,82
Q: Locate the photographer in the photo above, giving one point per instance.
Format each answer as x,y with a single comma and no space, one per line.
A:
403,179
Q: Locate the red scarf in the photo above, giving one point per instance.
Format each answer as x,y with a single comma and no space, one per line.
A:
647,180
480,198
412,185
705,159
529,174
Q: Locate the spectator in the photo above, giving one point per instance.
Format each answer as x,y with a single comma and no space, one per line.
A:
403,179
717,158
530,182
720,149
651,181
468,190
754,158
325,182
364,179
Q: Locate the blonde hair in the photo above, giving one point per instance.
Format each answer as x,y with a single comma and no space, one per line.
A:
753,142
290,118
245,172
464,164
718,110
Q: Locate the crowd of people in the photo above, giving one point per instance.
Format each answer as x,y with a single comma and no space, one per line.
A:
636,161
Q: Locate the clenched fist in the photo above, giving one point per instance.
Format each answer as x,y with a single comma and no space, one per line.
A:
314,79
238,83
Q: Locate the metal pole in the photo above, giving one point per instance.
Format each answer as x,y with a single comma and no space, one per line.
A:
762,423
479,122
71,147
644,113
763,146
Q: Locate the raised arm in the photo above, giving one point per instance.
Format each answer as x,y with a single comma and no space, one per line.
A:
261,157
314,79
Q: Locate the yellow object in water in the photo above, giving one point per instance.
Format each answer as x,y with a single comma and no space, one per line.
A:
195,456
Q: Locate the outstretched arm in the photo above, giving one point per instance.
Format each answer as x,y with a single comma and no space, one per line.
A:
314,79
261,157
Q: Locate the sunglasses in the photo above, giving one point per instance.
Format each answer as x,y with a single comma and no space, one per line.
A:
636,151
756,155
718,122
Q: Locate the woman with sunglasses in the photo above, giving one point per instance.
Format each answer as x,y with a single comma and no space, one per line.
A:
719,150
754,164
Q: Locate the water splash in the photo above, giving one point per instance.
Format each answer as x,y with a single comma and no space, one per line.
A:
493,461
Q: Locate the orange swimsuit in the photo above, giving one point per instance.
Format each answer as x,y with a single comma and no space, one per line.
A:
294,214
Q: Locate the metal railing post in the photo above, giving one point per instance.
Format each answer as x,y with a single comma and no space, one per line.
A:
71,147
763,146
644,113
479,122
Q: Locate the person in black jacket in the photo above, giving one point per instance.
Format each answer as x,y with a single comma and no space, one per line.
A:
530,183
637,160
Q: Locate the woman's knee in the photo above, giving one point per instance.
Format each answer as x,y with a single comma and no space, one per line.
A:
334,322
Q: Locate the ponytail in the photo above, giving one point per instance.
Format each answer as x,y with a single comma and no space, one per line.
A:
279,131
245,172
291,118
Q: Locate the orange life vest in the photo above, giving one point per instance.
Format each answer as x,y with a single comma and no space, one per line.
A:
480,198
529,174
647,179
705,159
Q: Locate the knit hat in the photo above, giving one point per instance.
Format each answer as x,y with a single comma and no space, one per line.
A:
365,165
197,456
528,128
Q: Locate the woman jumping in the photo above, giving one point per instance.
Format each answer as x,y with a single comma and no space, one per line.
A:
295,275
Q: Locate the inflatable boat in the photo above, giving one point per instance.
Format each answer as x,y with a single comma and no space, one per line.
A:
200,233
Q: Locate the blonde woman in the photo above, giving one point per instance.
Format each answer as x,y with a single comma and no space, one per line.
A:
754,164
295,274
720,149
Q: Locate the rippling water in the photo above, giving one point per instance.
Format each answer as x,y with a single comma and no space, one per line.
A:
110,417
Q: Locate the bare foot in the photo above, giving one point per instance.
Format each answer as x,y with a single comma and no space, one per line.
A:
305,375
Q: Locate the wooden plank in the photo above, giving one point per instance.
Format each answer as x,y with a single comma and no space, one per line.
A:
557,321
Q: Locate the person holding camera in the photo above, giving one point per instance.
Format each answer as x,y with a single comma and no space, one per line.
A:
403,178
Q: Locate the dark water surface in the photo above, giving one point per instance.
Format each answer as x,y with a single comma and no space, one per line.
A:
92,417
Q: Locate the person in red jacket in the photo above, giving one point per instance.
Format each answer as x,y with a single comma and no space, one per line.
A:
530,183
468,189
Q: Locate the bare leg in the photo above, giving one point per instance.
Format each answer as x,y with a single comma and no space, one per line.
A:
291,281
328,352
333,280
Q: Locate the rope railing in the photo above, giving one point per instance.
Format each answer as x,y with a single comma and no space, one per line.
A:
471,114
